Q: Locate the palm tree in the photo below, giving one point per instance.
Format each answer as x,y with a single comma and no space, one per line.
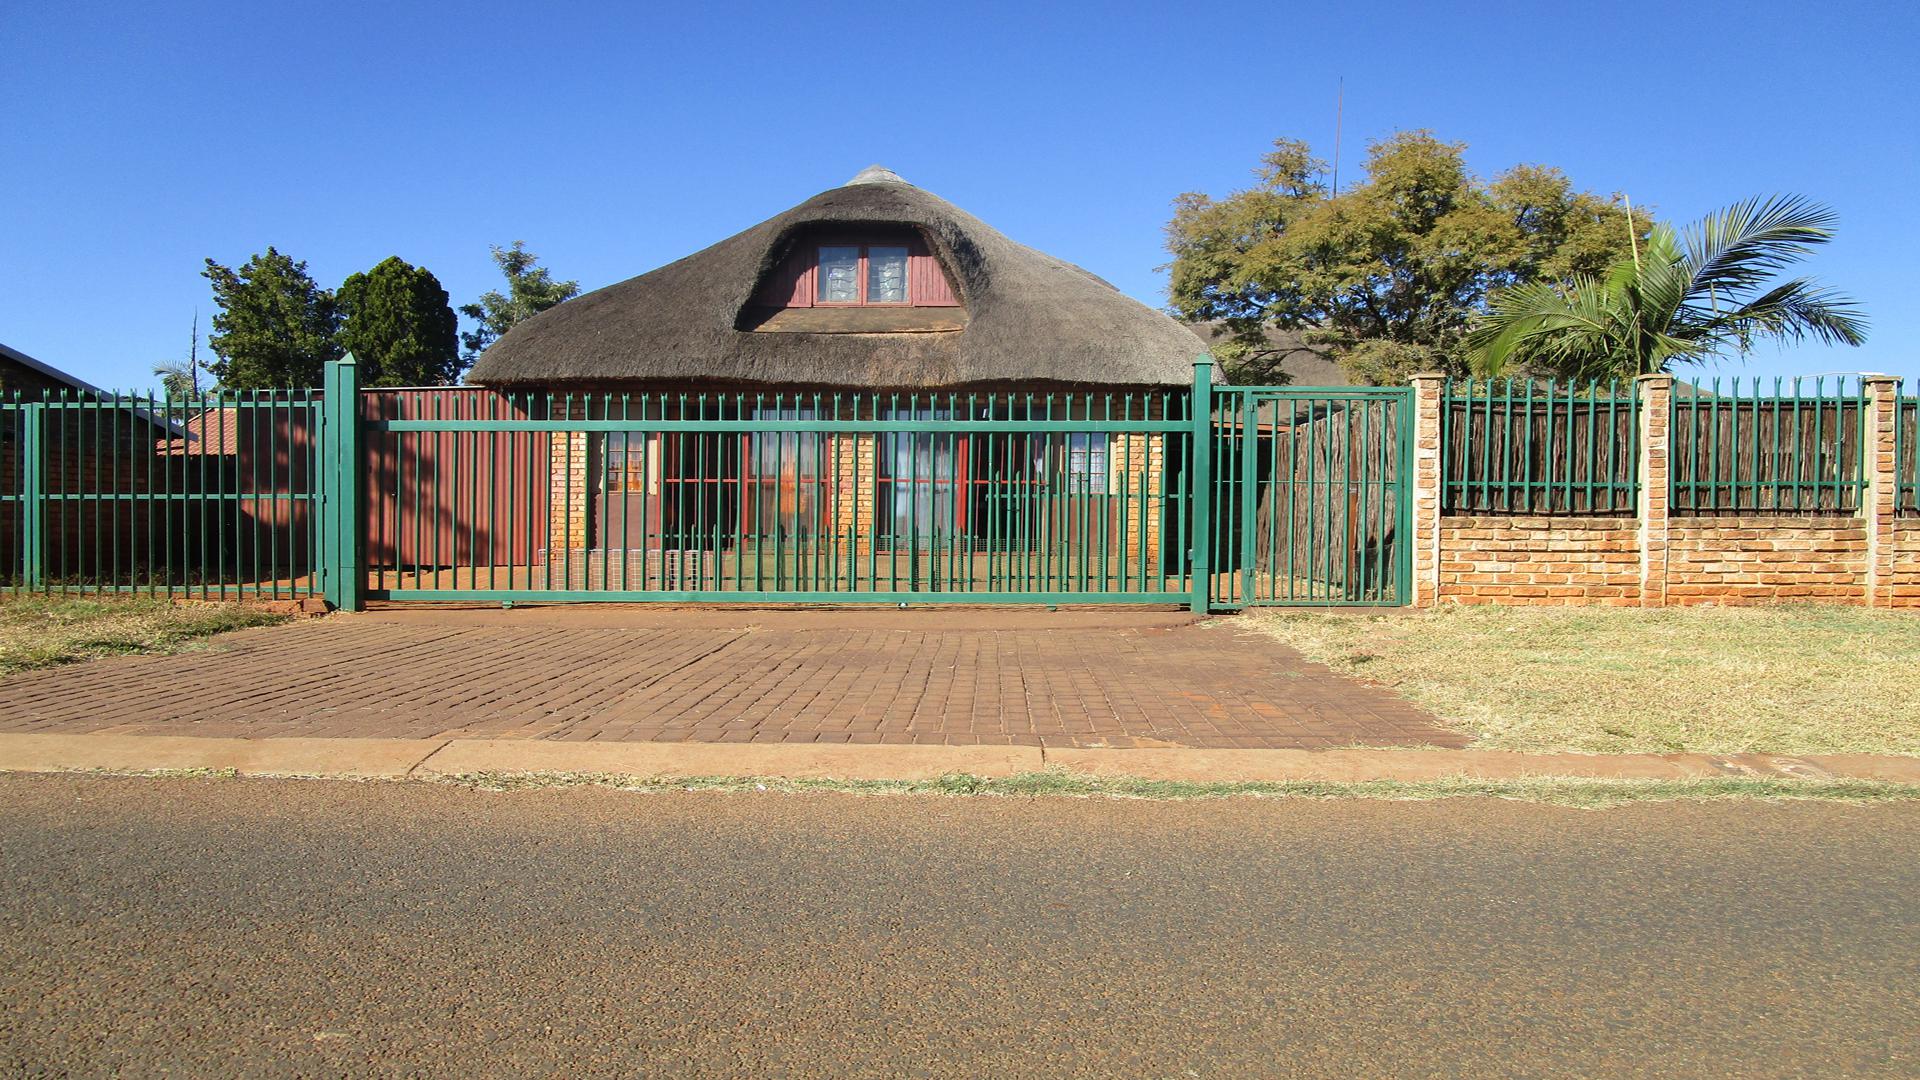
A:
181,378
1681,300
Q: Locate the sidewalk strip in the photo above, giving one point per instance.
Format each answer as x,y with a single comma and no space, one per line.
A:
440,757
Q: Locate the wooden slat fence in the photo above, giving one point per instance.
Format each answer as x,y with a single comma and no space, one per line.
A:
1523,447
1794,448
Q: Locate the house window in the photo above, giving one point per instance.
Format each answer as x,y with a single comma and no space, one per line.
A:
787,467
1086,455
859,275
623,461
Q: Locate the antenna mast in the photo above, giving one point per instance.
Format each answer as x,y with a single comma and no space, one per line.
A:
1339,102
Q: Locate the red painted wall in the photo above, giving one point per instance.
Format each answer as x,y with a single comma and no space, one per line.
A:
447,498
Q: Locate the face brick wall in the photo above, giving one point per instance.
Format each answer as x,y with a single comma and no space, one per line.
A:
1754,560
1537,560
1905,580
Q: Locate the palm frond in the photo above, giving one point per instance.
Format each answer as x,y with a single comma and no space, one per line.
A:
1800,309
1744,245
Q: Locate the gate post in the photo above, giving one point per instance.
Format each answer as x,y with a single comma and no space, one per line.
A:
340,539
33,554
1200,533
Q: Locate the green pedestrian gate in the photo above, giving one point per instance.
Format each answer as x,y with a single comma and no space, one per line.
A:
1309,491
1214,497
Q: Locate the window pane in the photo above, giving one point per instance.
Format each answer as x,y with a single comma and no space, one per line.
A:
786,474
886,275
1086,462
922,481
839,275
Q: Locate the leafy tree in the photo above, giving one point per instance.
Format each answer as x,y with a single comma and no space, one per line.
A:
530,291
275,327
1385,276
399,326
181,378
1683,298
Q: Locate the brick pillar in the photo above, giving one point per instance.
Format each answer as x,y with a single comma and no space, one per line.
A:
1656,410
855,484
567,495
1134,462
1881,500
1427,389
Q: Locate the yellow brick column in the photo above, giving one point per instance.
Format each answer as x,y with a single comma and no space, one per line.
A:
1656,412
1881,500
567,503
1425,489
1133,467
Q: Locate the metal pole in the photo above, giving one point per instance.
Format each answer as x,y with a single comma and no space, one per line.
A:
32,495
340,519
1201,487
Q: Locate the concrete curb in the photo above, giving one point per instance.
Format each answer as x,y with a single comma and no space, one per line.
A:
797,761
399,758
357,759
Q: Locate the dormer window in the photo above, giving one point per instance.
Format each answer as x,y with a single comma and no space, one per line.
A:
862,275
847,280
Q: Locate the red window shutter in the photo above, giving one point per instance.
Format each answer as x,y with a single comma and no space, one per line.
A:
791,283
927,284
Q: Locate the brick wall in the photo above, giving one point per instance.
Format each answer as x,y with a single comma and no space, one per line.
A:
1659,557
1757,559
1536,560
1903,584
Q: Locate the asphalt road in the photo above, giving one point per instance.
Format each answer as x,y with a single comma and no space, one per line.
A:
233,927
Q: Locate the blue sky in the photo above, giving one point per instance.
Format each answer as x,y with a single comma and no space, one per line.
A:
140,139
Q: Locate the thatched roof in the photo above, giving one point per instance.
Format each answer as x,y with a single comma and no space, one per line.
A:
1304,364
1028,316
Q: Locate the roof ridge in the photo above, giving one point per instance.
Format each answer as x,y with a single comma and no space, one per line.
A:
877,174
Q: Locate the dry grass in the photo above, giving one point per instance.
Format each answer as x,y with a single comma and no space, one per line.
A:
40,631
1784,680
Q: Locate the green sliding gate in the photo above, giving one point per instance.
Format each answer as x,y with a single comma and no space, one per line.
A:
1214,497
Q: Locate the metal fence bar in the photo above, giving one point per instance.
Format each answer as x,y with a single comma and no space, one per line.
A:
1906,454
1794,448
1538,447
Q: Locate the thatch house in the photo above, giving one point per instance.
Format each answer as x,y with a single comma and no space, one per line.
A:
872,301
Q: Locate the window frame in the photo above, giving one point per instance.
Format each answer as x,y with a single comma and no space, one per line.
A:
861,273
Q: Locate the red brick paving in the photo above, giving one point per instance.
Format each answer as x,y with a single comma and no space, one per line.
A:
1059,679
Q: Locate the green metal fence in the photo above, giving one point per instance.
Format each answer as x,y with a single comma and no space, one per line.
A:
1524,447
209,496
1906,454
1308,489
1207,496
1795,448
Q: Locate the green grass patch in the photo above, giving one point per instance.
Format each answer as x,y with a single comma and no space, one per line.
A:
41,631
1799,679
1557,791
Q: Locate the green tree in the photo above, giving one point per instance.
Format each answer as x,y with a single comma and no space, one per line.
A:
1679,299
275,327
1384,276
399,326
530,291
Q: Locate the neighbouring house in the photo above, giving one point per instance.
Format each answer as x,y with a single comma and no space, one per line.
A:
872,301
1295,361
84,458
